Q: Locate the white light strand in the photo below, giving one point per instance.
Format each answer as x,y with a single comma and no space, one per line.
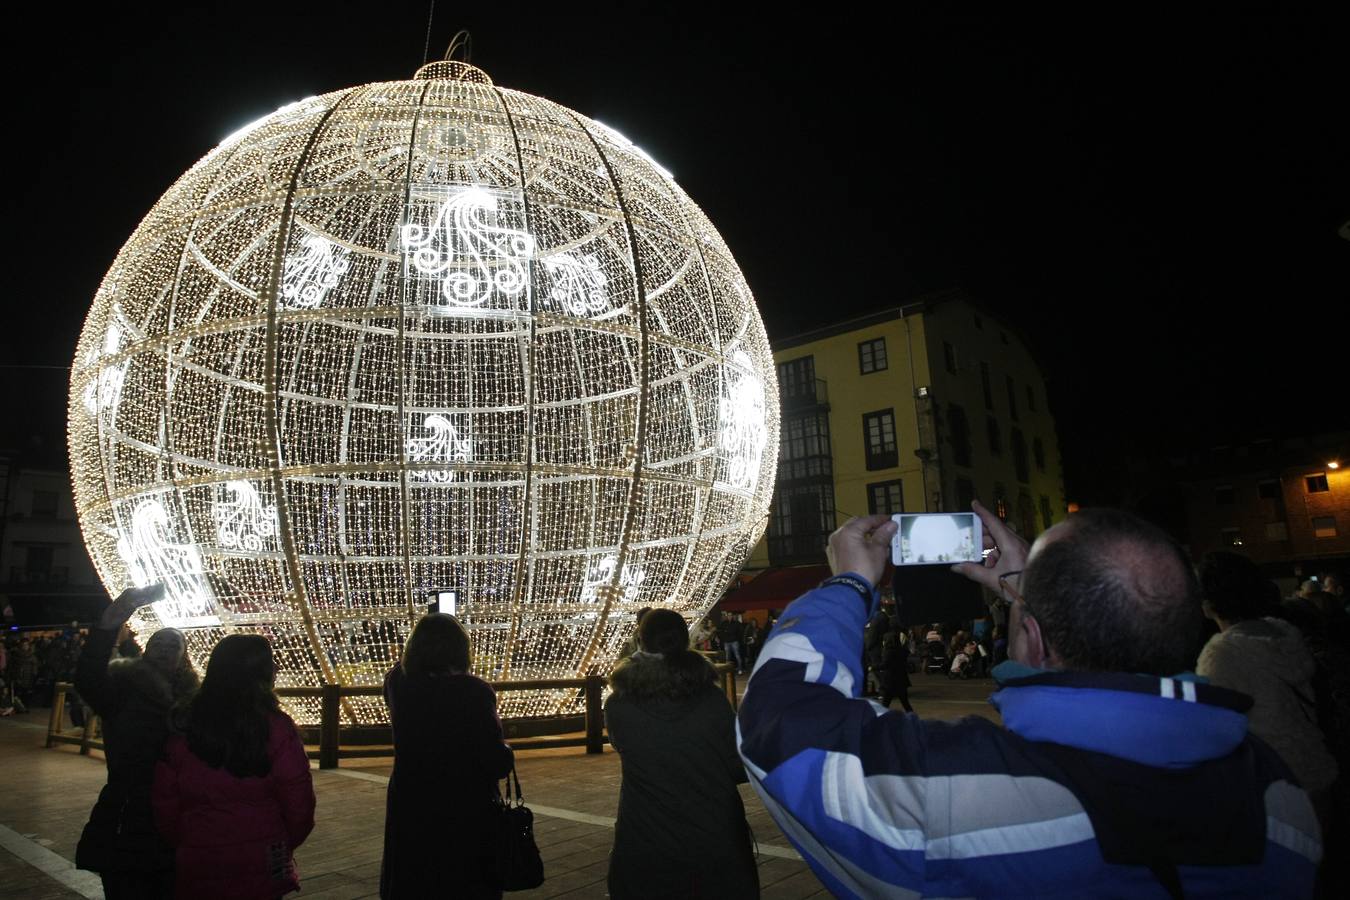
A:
312,272
741,413
578,284
443,446
472,257
601,573
243,521
152,558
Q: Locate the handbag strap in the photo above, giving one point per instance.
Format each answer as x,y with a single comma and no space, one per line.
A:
506,795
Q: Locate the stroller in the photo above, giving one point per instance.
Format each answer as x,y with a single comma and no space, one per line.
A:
935,658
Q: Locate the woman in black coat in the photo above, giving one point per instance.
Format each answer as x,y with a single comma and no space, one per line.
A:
681,831
134,698
441,810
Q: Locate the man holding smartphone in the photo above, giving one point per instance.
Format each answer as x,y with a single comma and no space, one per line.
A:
1115,773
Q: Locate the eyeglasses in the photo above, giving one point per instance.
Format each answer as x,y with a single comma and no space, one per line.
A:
1014,593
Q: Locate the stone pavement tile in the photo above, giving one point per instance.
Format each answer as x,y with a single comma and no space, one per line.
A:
794,887
339,886
19,879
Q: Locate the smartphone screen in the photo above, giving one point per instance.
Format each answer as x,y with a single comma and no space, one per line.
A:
930,539
443,601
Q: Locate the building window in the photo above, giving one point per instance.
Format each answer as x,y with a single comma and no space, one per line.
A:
884,498
37,563
872,356
965,494
44,504
1223,495
1277,531
804,448
995,436
1317,484
1000,501
987,385
1269,490
1230,537
1038,454
879,438
1047,517
1026,515
1324,526
960,433
949,356
1031,399
797,380
1019,452
803,517
1012,397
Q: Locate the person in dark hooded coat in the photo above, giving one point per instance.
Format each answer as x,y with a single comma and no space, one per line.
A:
441,808
134,698
681,830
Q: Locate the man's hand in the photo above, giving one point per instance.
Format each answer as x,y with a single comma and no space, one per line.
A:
1007,552
862,545
127,602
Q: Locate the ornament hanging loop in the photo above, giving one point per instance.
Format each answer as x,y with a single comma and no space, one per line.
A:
453,69
461,42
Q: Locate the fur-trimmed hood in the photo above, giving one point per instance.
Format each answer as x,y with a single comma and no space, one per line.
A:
651,676
136,676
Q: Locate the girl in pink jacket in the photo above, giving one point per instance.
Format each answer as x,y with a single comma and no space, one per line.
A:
234,795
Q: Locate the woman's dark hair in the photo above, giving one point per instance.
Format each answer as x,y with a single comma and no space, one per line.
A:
682,672
1234,588
229,719
438,645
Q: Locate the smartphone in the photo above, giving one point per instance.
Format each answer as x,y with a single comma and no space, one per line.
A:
442,601
932,539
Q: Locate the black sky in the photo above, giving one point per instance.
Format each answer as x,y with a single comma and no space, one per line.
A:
1153,201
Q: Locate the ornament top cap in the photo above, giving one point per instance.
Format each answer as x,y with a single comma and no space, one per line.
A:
452,70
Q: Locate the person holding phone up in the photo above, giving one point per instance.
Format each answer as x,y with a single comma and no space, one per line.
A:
134,698
1115,772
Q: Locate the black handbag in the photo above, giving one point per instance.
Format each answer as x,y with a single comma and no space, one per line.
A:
519,866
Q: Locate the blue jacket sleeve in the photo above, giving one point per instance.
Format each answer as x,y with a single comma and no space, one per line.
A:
810,745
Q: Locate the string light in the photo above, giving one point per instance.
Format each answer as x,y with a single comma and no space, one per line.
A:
417,336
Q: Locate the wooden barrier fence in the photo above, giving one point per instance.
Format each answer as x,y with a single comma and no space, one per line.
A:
330,747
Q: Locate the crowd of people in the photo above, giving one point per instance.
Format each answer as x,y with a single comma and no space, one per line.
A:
1143,751
32,664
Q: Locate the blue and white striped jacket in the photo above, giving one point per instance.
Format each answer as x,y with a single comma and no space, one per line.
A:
1100,786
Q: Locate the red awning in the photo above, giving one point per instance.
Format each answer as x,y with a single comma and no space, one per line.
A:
774,588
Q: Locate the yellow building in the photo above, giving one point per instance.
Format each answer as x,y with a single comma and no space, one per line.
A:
920,408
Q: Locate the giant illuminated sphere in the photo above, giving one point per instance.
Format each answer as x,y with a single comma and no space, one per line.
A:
417,336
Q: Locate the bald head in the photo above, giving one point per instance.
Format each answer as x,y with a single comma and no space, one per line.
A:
1112,592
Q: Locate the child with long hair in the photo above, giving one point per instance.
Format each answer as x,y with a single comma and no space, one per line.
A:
234,794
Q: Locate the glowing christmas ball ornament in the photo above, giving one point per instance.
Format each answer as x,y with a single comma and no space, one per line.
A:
416,336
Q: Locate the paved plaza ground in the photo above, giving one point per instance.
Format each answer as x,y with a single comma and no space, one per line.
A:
45,796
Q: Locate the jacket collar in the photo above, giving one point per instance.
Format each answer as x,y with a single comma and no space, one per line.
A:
1164,722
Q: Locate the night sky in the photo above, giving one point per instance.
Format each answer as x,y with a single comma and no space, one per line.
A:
1153,203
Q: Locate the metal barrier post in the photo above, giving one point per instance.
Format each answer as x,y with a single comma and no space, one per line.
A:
595,715
330,711
87,739
58,711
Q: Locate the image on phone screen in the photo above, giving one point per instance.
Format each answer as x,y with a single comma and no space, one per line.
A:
443,601
936,539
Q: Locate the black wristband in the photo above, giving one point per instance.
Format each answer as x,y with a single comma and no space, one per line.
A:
858,584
